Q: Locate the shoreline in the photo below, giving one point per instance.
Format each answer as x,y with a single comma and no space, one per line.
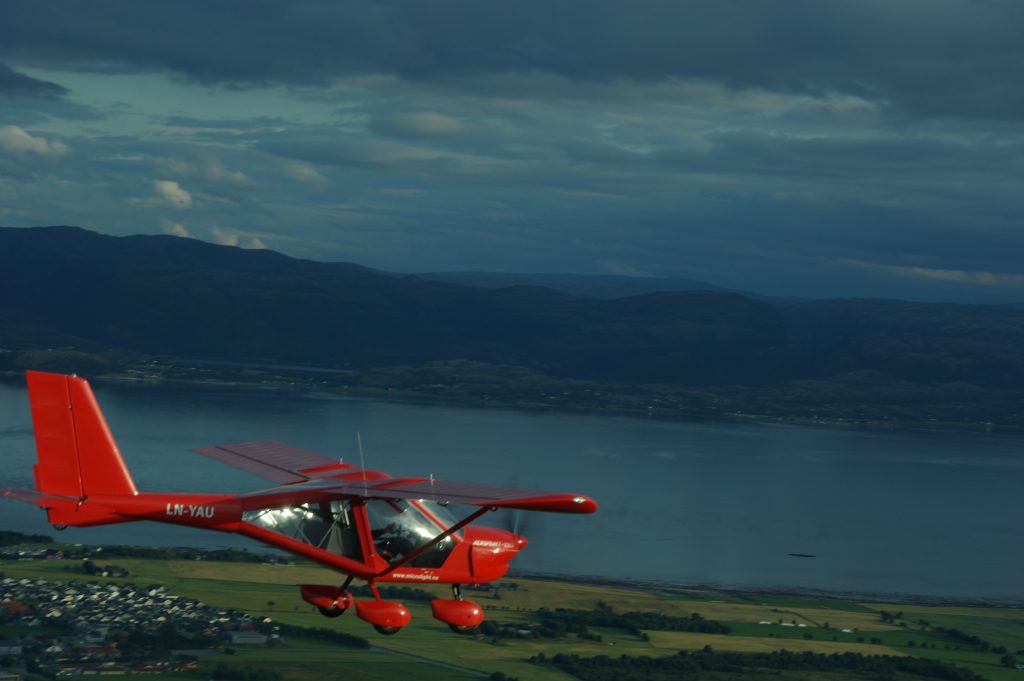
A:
742,591
666,587
412,397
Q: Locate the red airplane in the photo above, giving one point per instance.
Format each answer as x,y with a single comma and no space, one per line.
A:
362,523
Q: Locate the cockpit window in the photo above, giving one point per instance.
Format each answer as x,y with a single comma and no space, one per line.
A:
441,513
326,525
398,528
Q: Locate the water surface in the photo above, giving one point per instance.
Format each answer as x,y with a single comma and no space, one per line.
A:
932,513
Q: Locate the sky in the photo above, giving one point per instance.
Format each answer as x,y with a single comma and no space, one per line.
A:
811,148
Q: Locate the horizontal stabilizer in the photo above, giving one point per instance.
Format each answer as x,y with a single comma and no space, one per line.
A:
31,496
68,511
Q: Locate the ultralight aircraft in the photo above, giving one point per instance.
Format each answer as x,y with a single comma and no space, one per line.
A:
364,524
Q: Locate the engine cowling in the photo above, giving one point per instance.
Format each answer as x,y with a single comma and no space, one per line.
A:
459,615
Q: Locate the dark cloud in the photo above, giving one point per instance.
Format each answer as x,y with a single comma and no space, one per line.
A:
247,124
18,84
925,57
752,152
760,145
25,100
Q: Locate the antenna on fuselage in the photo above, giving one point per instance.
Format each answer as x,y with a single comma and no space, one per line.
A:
362,459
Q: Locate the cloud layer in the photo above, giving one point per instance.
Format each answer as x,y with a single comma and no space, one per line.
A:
931,57
796,147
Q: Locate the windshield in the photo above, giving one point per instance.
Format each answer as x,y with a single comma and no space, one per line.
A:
398,528
441,513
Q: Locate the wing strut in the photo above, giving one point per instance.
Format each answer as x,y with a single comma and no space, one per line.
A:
420,550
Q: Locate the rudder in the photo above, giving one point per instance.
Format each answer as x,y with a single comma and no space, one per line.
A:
76,450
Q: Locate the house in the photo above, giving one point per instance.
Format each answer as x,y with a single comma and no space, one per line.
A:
10,648
248,638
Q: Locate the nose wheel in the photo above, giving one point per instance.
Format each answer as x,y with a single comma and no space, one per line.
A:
387,617
333,611
460,628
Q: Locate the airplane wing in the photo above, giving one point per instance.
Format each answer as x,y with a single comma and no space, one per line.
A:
274,461
306,477
442,491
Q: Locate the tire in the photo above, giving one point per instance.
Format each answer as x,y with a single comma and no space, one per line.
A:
331,612
387,631
461,629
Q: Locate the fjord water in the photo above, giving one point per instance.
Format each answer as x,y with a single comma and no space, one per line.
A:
928,513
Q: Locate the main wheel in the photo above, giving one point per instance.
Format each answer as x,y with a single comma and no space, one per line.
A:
387,631
333,611
461,629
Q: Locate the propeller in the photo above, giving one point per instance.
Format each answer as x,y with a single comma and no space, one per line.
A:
517,521
521,523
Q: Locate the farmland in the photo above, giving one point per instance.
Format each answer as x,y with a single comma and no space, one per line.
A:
977,639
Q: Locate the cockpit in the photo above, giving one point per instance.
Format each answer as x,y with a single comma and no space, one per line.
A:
330,525
397,527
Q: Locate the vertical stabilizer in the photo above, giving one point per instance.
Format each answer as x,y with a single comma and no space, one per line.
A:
78,456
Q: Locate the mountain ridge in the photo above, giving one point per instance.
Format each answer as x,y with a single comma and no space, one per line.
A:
582,285
174,297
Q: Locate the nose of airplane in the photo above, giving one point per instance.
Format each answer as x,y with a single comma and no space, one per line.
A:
520,541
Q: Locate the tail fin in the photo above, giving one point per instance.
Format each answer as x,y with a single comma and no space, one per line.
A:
77,453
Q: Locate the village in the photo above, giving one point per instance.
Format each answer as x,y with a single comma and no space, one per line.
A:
75,628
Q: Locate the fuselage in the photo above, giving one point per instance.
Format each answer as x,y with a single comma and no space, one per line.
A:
363,538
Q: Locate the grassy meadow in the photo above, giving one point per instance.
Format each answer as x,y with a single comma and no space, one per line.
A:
427,649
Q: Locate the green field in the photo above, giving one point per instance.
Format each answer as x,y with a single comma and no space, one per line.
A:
427,650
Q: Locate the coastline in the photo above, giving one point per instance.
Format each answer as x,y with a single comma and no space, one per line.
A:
668,588
626,403
745,592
